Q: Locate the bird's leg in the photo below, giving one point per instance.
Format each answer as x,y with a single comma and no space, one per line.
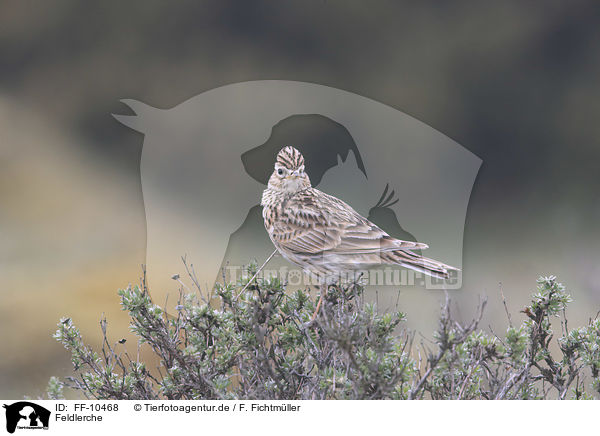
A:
257,272
323,292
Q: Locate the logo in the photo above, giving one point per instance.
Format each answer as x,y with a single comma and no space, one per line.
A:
26,415
206,162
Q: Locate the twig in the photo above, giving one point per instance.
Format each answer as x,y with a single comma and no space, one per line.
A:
506,307
468,377
192,275
511,382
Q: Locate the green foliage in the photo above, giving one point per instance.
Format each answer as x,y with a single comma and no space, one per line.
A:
258,342
55,389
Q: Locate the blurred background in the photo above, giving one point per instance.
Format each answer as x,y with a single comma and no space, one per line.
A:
515,83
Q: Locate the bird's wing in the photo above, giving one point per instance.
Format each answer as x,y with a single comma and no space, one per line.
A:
314,222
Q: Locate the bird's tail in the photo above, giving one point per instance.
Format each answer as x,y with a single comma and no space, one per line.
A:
418,263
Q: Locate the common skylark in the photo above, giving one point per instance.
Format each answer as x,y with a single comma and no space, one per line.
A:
324,235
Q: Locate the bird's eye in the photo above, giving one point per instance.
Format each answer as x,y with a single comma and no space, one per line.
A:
280,172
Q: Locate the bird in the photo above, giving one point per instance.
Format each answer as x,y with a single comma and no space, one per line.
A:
325,236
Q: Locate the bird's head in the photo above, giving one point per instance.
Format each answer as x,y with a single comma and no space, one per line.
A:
289,174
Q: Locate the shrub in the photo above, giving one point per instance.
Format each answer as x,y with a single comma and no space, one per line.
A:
255,341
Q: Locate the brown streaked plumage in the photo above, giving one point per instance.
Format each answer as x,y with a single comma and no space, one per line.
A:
324,235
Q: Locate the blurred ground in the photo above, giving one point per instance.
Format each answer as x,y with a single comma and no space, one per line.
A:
72,233
515,83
